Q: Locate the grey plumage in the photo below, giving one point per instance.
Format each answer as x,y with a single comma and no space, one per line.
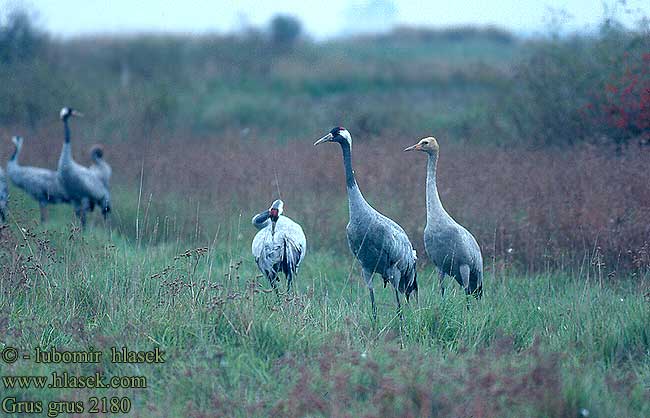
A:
82,185
379,244
4,196
451,247
279,246
40,183
99,166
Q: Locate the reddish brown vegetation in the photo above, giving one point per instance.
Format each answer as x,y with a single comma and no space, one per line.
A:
340,382
625,106
575,209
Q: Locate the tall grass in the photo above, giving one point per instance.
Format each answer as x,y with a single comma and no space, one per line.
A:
233,348
537,210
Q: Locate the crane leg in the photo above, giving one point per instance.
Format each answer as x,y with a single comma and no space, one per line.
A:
441,281
80,211
289,281
476,284
273,277
372,302
401,319
82,217
43,208
395,276
464,273
399,305
478,292
367,276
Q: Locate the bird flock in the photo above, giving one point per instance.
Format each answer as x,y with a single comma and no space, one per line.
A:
378,243
82,187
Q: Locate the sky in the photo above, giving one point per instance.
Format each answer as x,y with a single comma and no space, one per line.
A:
322,19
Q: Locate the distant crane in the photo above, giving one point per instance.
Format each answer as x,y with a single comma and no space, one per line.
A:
279,246
99,166
452,248
82,185
380,244
40,183
4,196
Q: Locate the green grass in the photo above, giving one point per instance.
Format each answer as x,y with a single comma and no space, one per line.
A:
544,345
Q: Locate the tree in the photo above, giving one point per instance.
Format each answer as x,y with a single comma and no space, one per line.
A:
285,31
19,38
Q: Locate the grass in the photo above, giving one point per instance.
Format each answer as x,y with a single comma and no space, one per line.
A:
540,345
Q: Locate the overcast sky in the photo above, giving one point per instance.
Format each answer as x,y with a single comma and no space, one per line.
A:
321,19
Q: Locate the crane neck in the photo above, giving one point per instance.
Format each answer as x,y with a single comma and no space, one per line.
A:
261,220
66,130
14,156
355,198
435,210
66,151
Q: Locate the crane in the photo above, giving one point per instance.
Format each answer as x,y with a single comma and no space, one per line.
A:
99,166
83,186
379,244
280,244
451,247
41,184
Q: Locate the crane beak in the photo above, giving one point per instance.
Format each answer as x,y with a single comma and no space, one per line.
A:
79,114
326,138
415,147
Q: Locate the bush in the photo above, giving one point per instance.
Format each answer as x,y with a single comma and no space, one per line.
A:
583,88
625,106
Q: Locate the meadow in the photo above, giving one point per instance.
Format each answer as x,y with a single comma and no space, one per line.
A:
203,133
547,344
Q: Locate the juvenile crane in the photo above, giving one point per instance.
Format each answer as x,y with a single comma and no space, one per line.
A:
452,248
4,196
99,166
82,185
279,246
40,183
379,244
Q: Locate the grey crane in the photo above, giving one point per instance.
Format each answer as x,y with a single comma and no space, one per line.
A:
379,244
40,183
4,196
99,166
452,248
279,246
82,185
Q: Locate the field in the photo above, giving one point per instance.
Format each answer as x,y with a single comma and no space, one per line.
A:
197,149
538,345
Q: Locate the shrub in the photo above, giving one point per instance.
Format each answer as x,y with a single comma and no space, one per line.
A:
625,107
583,88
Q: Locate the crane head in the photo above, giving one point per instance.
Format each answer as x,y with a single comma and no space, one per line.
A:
17,140
338,134
276,210
66,112
97,152
428,145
